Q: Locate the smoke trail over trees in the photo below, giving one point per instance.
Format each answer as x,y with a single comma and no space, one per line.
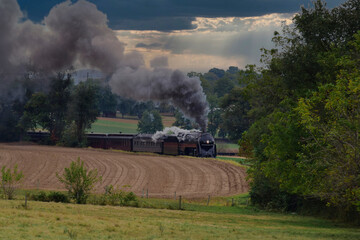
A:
76,34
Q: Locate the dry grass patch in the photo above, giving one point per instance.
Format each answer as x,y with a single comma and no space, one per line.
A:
68,221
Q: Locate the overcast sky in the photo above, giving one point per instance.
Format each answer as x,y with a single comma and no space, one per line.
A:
195,35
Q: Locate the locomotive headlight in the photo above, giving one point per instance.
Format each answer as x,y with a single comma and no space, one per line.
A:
207,141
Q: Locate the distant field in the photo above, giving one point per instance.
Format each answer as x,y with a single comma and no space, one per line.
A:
116,125
168,121
227,148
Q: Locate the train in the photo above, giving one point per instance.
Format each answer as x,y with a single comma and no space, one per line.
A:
197,144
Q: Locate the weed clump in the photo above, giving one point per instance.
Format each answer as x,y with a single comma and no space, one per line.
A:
115,197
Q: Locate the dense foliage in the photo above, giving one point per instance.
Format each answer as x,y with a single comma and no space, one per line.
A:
304,113
150,122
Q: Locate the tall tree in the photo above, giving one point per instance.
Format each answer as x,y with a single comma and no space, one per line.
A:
331,116
182,122
84,108
107,101
125,105
150,122
304,65
235,119
49,109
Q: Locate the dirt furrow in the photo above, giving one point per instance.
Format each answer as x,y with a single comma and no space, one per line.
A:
161,175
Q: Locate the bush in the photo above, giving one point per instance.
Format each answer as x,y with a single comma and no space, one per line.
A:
10,181
58,197
50,197
119,196
267,195
69,137
41,196
115,197
79,181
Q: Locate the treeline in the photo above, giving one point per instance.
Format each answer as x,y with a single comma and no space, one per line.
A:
226,116
64,109
303,109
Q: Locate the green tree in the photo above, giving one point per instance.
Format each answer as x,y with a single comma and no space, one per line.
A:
10,180
223,86
150,122
107,101
181,121
214,116
125,105
138,108
84,108
331,116
79,181
37,112
235,107
288,161
49,110
9,117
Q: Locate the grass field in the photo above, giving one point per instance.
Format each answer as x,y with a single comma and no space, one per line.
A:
198,221
108,125
227,148
127,125
240,160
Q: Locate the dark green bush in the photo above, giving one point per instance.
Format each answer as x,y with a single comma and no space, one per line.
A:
267,195
41,196
50,197
58,197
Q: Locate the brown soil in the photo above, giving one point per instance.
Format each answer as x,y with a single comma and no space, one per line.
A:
167,121
161,175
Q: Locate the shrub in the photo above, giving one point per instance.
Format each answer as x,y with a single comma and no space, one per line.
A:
10,180
58,197
41,196
69,137
79,181
50,197
115,197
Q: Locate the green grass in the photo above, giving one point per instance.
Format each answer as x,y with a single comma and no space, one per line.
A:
240,160
228,145
227,148
198,221
105,126
121,125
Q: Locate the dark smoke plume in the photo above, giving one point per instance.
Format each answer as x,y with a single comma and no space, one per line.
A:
76,34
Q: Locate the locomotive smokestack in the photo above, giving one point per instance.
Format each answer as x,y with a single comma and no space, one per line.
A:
76,34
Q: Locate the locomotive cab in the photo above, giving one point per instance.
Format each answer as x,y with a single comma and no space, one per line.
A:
207,147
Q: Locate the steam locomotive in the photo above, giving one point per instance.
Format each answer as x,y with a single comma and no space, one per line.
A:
192,144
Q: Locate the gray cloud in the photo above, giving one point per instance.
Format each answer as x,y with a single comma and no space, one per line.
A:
239,38
159,62
165,24
149,46
163,84
167,15
77,33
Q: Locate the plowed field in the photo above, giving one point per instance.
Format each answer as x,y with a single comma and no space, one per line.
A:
161,175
